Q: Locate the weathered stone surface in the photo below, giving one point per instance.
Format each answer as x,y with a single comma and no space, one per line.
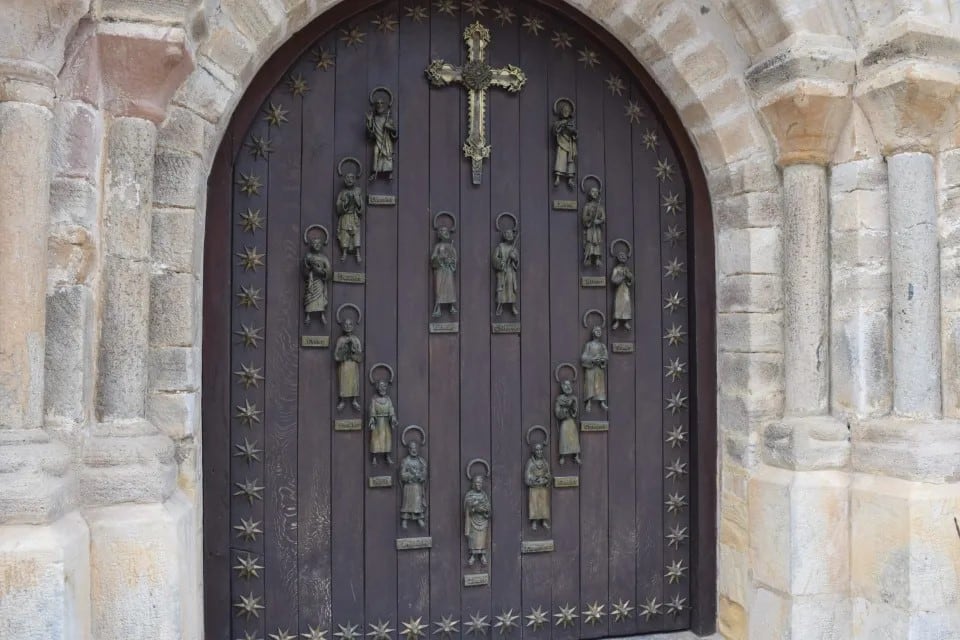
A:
809,443
128,190
73,201
127,461
36,484
753,250
175,414
77,140
69,363
174,369
903,448
177,177
170,295
175,239
806,118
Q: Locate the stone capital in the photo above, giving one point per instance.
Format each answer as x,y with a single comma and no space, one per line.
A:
806,117
808,443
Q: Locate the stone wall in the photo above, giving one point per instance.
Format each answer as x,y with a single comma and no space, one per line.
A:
828,132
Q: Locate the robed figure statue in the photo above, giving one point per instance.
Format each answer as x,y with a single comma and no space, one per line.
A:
622,278
444,264
594,362
349,212
566,409
347,353
317,272
383,419
537,478
413,478
506,264
593,217
476,521
382,131
565,132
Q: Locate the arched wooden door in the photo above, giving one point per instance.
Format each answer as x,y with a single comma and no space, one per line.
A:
319,522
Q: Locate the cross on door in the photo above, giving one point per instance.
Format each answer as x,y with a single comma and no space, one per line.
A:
477,76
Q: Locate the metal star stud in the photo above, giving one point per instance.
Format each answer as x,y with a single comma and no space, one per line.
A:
634,112
250,259
476,625
505,621
674,302
676,469
672,205
275,115
674,335
650,608
677,605
249,297
675,571
352,37
650,140
475,7
504,15
248,530
664,170
594,613
676,503
323,59
566,617
248,489
248,567
622,610
413,629
537,618
385,23
249,376
417,13
677,536
249,335
615,84
673,235
676,437
562,40
248,606
249,635
248,413
588,58
248,451
250,184
347,631
447,7
298,86
314,633
673,269
251,220
447,627
533,25
380,631
675,369
259,146
676,403
282,634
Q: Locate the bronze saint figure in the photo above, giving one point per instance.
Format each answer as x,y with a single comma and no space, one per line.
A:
317,273
594,362
476,515
622,279
382,131
413,479
537,477
565,131
349,211
506,264
348,353
566,409
444,264
593,218
383,417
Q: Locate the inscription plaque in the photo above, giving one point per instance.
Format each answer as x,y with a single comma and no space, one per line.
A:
622,347
406,544
566,482
381,200
536,546
506,327
593,281
444,327
349,277
379,482
594,425
347,425
476,579
321,342
565,205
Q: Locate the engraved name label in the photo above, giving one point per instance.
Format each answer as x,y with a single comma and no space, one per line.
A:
622,347
565,205
506,327
378,482
593,281
349,277
315,341
405,544
381,201
536,546
476,579
566,482
347,425
594,425
444,327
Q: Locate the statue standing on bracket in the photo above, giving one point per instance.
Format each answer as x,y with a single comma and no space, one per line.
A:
349,211
622,278
506,264
476,515
383,417
566,409
594,362
348,353
316,267
444,264
382,131
537,477
593,218
413,479
565,132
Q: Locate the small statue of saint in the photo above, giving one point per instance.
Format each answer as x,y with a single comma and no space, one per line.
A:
317,272
594,362
382,131
593,217
444,264
348,353
349,212
565,131
506,264
383,418
476,518
413,479
566,409
622,279
537,478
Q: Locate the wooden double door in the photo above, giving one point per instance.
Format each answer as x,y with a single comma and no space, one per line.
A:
328,272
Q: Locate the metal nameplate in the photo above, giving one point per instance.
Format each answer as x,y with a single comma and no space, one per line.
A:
315,342
594,425
476,579
565,205
405,544
381,201
622,347
379,482
566,482
505,327
347,425
536,546
593,281
444,327
349,277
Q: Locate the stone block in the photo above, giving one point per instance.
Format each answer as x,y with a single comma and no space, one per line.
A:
817,617
859,175
183,130
731,619
77,140
861,376
36,480
128,191
262,21
757,173
750,373
733,574
128,461
951,366
69,362
174,369
859,210
176,240
754,250
71,256
750,332
174,309
755,209
176,177
909,449
175,414
749,292
230,49
949,168
46,580
809,443
205,93
73,202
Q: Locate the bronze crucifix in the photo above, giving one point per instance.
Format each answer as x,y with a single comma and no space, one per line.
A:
477,76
